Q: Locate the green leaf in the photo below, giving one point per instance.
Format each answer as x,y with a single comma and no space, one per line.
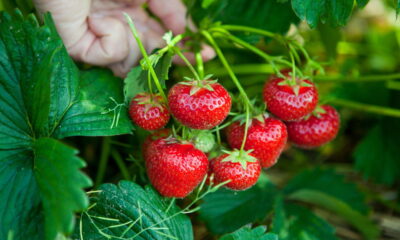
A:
60,183
225,211
377,155
397,6
359,221
20,210
362,3
100,110
207,3
321,180
246,233
335,12
137,79
41,96
271,15
301,223
46,179
128,211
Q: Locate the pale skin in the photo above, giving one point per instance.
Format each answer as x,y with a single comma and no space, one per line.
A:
96,32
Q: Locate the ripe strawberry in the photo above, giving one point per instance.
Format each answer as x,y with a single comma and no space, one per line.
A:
199,104
175,168
242,170
290,102
149,111
162,133
267,137
315,130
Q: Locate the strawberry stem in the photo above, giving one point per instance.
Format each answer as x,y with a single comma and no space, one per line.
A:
234,79
270,59
199,63
370,78
245,129
249,29
145,56
189,65
386,111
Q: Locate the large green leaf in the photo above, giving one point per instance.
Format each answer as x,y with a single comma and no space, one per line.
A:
127,211
301,223
271,15
40,187
100,110
60,184
377,155
20,210
41,96
246,233
335,12
321,180
225,211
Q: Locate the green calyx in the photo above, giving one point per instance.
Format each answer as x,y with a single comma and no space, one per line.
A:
318,112
295,83
205,83
239,156
149,101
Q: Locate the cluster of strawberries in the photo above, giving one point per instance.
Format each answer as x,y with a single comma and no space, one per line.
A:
175,166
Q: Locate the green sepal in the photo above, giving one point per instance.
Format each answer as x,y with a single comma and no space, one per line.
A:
239,156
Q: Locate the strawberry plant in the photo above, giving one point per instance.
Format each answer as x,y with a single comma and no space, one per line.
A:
290,132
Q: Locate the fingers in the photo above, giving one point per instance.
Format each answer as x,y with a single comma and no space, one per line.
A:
172,13
69,17
151,39
108,44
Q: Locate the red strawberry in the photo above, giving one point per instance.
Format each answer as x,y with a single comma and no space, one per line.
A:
174,168
162,133
149,111
199,104
267,138
290,102
315,130
242,170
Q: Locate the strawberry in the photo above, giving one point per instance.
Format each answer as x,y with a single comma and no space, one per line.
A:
287,100
315,130
199,104
266,137
162,133
148,111
175,168
241,169
204,141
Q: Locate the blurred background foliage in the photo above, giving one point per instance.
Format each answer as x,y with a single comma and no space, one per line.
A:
348,189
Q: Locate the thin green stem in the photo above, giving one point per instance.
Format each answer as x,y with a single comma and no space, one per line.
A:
189,65
105,153
371,78
234,79
218,135
199,63
121,164
249,29
227,66
149,82
386,111
145,56
245,129
260,53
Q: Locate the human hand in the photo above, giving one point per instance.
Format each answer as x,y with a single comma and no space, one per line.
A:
96,32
